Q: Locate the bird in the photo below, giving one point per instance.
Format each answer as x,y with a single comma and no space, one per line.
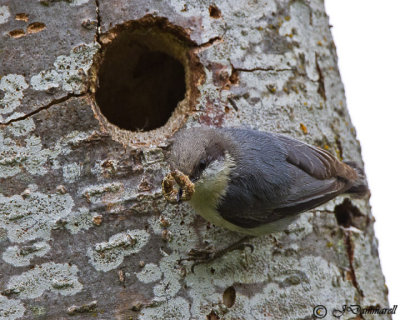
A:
256,182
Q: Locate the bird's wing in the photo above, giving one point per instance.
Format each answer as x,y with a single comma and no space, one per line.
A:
306,177
315,161
319,176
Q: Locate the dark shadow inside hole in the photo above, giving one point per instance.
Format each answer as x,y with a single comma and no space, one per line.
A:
139,88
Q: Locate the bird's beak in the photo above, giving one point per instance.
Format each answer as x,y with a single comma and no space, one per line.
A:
179,195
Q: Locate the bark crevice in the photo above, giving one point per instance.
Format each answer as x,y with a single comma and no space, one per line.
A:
350,254
267,69
45,107
98,26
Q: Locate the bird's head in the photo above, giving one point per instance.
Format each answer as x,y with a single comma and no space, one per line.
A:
198,152
203,155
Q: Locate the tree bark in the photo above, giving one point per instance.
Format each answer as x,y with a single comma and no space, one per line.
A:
84,230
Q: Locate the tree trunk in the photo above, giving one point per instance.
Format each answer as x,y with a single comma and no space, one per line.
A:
90,95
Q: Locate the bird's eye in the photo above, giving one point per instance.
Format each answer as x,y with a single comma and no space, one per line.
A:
202,165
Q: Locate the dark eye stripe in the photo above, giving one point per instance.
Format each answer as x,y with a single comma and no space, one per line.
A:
198,170
214,153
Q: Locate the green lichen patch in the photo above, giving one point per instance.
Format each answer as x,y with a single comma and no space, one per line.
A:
33,217
79,220
13,86
22,255
177,308
20,128
55,277
26,152
4,14
104,192
150,273
11,309
69,72
106,256
71,172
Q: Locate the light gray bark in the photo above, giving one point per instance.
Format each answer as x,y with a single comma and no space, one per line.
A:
84,230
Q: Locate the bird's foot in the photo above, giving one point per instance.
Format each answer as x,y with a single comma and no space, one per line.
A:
209,253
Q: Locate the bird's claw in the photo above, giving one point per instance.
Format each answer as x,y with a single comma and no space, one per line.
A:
209,254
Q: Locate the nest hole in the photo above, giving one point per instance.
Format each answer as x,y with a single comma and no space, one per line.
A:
139,85
145,80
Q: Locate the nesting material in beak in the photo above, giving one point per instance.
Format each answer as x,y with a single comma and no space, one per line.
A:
174,195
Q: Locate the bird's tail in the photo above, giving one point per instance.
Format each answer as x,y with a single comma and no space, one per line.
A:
360,188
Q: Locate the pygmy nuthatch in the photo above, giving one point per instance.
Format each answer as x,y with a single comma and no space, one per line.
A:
257,182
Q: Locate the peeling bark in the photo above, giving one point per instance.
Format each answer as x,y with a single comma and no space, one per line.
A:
84,229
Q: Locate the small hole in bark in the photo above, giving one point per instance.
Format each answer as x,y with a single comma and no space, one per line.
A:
229,296
214,11
145,80
36,27
348,215
18,33
22,17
